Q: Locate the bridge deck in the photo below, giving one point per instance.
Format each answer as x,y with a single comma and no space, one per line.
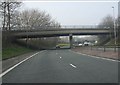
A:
57,32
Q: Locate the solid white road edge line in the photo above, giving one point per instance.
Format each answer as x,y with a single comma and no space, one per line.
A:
96,57
73,65
8,70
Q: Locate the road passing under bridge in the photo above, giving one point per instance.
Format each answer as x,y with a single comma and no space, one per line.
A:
63,66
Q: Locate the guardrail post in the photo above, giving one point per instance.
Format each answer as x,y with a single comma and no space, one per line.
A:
96,47
104,48
115,48
91,47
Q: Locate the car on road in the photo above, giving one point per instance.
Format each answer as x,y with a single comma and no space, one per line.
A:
57,46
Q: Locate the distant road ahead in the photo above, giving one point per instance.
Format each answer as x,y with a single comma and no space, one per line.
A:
63,66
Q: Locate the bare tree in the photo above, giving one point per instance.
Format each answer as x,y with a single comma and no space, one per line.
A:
7,9
34,19
108,22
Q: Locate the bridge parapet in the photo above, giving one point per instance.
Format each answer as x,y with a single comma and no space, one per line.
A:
79,26
61,27
54,29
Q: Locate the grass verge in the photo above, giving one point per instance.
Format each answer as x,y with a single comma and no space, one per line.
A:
112,42
14,50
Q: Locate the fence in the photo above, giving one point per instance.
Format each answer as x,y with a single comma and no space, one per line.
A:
105,48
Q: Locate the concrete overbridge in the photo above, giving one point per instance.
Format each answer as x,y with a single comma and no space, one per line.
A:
54,32
57,32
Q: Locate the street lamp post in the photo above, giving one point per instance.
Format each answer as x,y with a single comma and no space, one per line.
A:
114,27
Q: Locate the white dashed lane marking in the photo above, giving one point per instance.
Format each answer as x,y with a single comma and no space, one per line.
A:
73,66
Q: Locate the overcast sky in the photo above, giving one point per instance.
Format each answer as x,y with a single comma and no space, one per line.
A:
75,13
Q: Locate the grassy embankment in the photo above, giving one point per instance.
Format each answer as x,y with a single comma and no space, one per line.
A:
11,50
109,42
0,55
112,42
14,50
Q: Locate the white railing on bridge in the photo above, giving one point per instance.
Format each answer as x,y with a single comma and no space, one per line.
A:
61,27
79,26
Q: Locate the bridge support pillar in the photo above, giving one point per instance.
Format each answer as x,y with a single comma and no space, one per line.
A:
71,40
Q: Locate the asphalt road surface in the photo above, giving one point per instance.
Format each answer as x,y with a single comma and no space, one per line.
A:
63,66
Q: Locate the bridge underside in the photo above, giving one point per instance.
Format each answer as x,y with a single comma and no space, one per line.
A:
57,32
56,35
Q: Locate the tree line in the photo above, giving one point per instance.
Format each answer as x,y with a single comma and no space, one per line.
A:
108,22
13,19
